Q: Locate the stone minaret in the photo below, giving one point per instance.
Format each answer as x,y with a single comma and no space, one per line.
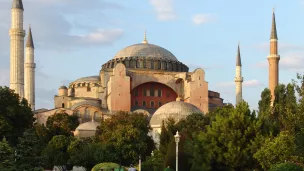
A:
273,59
238,77
17,49
29,76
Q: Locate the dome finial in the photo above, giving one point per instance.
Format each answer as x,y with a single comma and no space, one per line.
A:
145,41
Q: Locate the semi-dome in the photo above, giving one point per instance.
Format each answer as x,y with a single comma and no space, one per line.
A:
63,87
146,50
88,126
86,129
177,110
95,78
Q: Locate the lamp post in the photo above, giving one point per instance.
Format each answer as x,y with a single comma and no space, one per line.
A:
139,163
177,138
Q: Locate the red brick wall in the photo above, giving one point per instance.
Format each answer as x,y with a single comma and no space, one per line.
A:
137,94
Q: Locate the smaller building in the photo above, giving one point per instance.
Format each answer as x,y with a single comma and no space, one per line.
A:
87,129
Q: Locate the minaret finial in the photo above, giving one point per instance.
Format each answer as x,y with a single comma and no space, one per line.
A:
274,27
145,41
29,41
238,56
17,4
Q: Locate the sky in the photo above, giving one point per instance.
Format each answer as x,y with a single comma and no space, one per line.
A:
73,38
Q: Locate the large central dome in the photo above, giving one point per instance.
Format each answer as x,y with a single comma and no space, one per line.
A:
146,49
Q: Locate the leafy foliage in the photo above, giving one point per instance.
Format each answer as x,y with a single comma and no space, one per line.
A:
286,167
15,115
127,135
62,124
6,156
108,167
29,151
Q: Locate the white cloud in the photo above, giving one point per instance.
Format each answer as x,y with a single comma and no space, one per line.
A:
248,83
164,9
199,19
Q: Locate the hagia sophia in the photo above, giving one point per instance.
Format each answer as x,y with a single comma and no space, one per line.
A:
142,77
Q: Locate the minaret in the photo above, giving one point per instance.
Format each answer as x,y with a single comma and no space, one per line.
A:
17,49
273,59
238,77
29,68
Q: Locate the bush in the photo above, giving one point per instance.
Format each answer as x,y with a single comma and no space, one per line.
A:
286,167
108,167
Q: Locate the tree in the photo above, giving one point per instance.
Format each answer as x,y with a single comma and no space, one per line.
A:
229,137
56,153
28,151
286,166
127,134
62,124
81,152
154,162
6,156
275,151
15,115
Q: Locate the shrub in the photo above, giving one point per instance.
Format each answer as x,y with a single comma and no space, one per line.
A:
108,167
286,167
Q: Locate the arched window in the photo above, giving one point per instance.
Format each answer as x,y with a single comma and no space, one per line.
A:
152,104
62,105
88,88
159,93
145,63
159,104
152,91
159,65
86,113
136,103
137,64
144,103
78,113
144,92
95,115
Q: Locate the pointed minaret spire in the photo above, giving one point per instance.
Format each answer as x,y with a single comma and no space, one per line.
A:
274,27
29,42
145,41
29,71
17,4
238,56
273,59
238,77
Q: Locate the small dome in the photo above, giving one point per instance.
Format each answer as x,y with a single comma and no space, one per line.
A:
146,50
63,87
177,110
88,126
89,79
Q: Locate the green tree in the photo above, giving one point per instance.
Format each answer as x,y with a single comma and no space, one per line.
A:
6,156
276,150
154,162
286,167
15,115
229,137
29,151
127,134
61,124
56,153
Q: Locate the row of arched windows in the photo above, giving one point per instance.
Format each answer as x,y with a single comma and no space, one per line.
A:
87,114
149,92
152,104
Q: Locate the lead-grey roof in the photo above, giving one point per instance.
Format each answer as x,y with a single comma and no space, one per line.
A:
17,4
178,110
95,78
88,126
273,28
238,57
146,50
29,41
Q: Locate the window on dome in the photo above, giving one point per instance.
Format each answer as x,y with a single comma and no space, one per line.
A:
144,92
145,64
159,65
144,103
152,91
159,93
152,64
137,64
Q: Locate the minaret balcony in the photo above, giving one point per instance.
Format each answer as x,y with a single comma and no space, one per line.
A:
238,79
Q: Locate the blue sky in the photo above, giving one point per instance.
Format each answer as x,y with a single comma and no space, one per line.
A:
73,38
